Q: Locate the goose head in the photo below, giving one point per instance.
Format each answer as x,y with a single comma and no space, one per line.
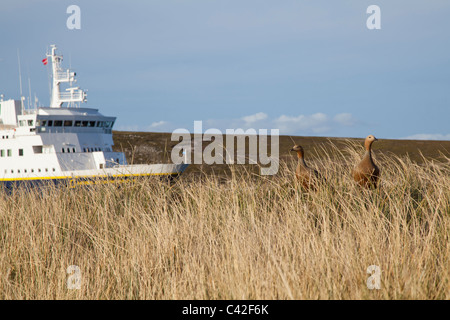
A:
369,140
298,149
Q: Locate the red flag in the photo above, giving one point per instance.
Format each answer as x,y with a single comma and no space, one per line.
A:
45,61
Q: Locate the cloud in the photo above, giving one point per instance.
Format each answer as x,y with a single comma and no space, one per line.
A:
255,117
314,124
428,136
317,123
345,119
158,124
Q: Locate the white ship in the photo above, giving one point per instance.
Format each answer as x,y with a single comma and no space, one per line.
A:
70,145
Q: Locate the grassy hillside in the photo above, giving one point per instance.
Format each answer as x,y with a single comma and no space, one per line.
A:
146,147
243,237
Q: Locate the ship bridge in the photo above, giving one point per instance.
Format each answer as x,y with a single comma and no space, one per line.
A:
73,120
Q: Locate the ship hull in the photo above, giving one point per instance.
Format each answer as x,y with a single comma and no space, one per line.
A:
119,174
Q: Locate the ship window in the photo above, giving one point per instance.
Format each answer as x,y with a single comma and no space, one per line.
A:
2,153
37,149
68,150
77,123
91,124
21,123
32,170
39,170
50,123
41,123
100,124
73,150
30,123
54,170
68,123
84,124
18,171
101,165
12,171
46,169
25,170
20,152
58,123
9,153
62,149
84,149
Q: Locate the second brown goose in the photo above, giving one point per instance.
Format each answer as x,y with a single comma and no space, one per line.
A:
305,175
366,173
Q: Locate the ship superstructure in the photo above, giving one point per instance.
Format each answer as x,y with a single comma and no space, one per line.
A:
63,143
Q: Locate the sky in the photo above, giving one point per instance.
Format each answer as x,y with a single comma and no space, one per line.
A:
307,68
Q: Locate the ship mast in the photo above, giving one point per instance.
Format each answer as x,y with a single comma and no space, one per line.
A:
73,94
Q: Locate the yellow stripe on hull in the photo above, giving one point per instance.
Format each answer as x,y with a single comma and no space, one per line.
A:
91,177
74,181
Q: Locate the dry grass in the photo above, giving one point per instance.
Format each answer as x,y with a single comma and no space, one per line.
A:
248,237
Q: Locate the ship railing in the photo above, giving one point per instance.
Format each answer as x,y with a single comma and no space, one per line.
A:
77,95
29,111
64,76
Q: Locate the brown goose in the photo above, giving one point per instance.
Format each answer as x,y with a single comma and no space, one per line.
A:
366,173
305,175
